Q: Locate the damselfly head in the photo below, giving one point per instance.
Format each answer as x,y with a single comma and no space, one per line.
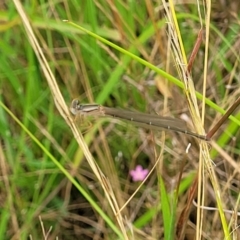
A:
75,106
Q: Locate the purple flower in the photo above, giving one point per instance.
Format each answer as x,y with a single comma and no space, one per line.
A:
138,174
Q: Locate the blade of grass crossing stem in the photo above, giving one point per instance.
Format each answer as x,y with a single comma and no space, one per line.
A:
172,79
223,119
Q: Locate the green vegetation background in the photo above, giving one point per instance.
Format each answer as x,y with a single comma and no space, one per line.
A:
31,184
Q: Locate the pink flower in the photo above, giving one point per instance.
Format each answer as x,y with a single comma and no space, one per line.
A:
139,173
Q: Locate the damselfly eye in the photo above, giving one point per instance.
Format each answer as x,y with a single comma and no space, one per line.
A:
75,106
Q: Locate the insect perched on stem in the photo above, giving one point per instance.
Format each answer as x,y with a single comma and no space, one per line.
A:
144,120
